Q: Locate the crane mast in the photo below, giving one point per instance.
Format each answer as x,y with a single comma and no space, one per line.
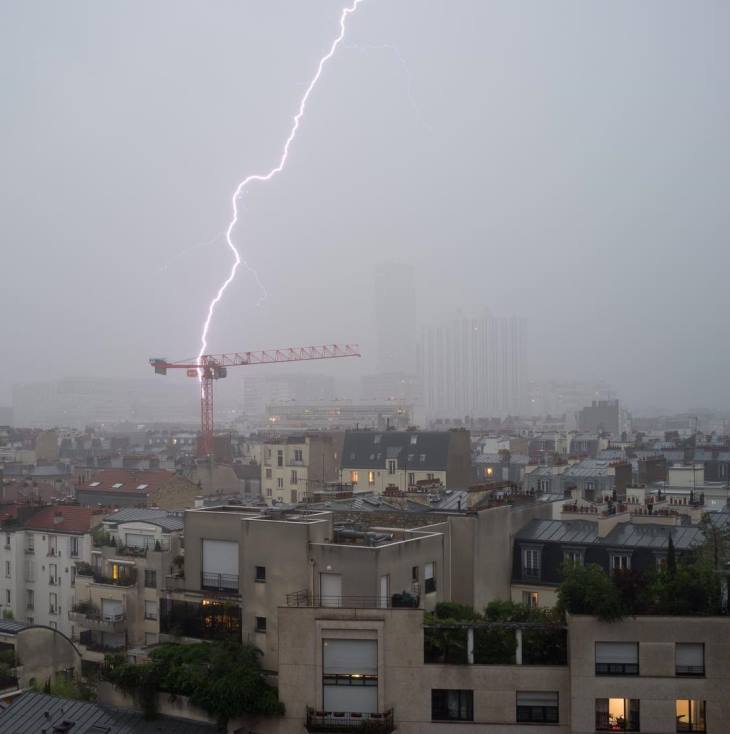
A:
211,367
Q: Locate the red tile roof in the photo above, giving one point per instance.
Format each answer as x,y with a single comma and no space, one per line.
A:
129,479
61,519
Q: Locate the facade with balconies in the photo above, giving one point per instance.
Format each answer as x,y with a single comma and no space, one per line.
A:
117,595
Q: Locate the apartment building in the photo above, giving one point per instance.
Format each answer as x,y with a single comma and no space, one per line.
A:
542,546
374,670
400,460
116,604
292,467
40,548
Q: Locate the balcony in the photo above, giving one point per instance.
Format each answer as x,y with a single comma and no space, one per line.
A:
128,578
224,582
349,721
97,644
91,618
397,601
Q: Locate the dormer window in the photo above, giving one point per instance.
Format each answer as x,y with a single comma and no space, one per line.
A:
414,440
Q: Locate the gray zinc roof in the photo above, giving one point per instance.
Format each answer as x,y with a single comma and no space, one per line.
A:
162,518
560,531
38,712
371,449
653,536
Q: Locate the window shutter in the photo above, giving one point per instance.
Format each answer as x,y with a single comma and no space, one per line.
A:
350,657
690,654
220,556
617,652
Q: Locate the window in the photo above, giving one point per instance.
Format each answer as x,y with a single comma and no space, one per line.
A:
617,714
298,455
268,473
573,556
293,495
620,562
53,603
261,624
429,477
429,578
29,620
293,477
53,625
350,675
261,574
371,478
7,596
414,573
7,540
392,464
150,638
488,471
268,491
452,705
537,707
531,599
280,483
690,715
354,476
150,609
589,486
414,440
617,658
31,543
74,546
52,574
150,579
52,545
29,599
73,575
411,479
280,458
531,563
7,569
689,658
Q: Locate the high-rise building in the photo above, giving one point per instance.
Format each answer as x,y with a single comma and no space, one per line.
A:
474,366
395,318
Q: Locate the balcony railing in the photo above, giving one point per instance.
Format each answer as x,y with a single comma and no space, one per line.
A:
690,670
95,644
219,582
125,579
396,601
350,721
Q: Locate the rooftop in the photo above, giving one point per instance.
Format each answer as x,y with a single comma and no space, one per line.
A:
168,521
128,480
38,712
61,519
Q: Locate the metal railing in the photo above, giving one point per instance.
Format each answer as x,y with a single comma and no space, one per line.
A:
219,581
347,721
690,670
125,579
397,601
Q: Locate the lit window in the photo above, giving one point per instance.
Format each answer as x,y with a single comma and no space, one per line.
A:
354,477
617,714
489,471
690,715
371,478
531,599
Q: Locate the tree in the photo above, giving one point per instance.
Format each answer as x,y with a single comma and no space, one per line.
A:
589,590
225,679
716,546
671,559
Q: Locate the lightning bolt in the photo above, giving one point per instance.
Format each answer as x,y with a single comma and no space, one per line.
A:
244,184
406,71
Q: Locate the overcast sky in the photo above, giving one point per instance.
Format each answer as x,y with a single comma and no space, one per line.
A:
563,161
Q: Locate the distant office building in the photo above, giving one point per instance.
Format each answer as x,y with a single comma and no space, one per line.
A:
339,414
395,318
262,390
565,397
391,386
602,416
475,366
77,402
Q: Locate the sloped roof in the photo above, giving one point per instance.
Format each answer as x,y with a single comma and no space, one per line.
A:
162,518
371,449
61,519
35,712
128,480
653,536
560,531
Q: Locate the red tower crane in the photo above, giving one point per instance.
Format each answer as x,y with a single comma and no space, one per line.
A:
210,367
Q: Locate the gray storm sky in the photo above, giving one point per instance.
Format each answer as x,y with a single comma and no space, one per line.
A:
566,161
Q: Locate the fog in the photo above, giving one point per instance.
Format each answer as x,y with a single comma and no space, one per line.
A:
567,162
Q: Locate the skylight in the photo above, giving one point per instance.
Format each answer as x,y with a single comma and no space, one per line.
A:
117,485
